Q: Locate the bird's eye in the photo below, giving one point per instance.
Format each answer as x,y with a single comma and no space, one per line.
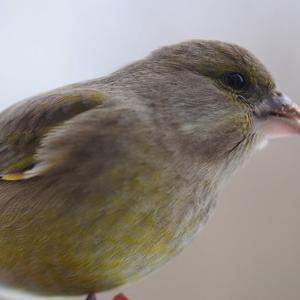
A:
235,80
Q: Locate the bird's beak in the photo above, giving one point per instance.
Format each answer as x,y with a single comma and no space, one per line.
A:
278,116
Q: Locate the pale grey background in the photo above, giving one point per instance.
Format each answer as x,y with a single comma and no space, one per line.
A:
250,248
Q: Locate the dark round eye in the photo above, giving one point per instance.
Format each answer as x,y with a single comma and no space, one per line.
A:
235,80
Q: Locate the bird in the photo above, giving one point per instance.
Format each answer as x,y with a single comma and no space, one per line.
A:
104,181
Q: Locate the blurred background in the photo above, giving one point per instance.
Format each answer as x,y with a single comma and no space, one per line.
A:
250,248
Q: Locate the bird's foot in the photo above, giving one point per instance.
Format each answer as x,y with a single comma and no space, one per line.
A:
120,297
91,296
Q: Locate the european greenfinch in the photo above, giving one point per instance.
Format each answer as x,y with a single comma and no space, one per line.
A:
103,181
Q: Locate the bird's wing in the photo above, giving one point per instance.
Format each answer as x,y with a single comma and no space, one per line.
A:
24,126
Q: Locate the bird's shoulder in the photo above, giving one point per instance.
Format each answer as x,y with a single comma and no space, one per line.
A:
25,125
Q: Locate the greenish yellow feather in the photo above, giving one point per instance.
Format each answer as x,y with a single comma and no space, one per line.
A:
22,163
12,177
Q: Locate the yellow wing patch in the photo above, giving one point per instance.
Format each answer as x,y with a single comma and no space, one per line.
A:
13,177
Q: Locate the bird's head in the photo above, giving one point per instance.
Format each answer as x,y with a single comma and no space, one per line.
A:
220,97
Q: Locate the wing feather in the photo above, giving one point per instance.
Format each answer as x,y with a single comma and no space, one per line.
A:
26,124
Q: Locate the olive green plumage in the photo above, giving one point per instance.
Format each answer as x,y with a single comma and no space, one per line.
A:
105,180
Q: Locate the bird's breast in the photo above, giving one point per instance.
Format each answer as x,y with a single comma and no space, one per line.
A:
129,220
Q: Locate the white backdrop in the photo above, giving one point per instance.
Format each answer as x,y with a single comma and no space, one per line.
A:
250,250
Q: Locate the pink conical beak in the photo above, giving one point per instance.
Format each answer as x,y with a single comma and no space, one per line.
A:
278,116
